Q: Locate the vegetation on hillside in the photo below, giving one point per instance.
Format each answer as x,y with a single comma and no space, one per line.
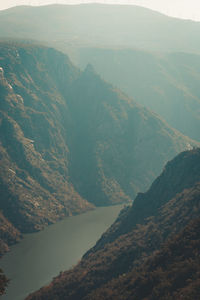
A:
166,83
156,257
70,140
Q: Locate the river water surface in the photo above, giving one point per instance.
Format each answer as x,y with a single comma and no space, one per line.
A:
41,256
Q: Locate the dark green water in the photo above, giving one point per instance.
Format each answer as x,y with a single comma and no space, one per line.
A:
41,256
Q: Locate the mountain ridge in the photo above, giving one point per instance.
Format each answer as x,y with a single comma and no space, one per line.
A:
166,83
114,20
64,138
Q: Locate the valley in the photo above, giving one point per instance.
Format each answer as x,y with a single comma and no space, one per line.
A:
71,141
151,250
41,256
99,109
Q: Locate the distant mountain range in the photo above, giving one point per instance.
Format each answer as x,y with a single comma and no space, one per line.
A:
151,251
69,141
98,25
149,56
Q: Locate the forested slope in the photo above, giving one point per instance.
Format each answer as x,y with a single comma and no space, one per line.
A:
69,140
157,254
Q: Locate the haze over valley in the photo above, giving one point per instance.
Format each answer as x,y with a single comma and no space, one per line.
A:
100,106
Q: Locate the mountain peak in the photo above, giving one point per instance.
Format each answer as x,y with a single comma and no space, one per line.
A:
89,69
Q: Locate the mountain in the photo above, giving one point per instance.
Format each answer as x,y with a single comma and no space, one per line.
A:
151,251
129,46
167,83
112,136
96,25
34,179
70,141
179,177
170,273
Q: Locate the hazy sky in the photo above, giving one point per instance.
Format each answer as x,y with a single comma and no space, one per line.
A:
189,9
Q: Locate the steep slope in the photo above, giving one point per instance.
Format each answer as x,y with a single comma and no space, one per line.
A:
93,25
180,174
171,273
9,235
34,179
165,83
67,136
157,255
120,147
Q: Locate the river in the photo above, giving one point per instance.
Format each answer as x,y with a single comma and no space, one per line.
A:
40,256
